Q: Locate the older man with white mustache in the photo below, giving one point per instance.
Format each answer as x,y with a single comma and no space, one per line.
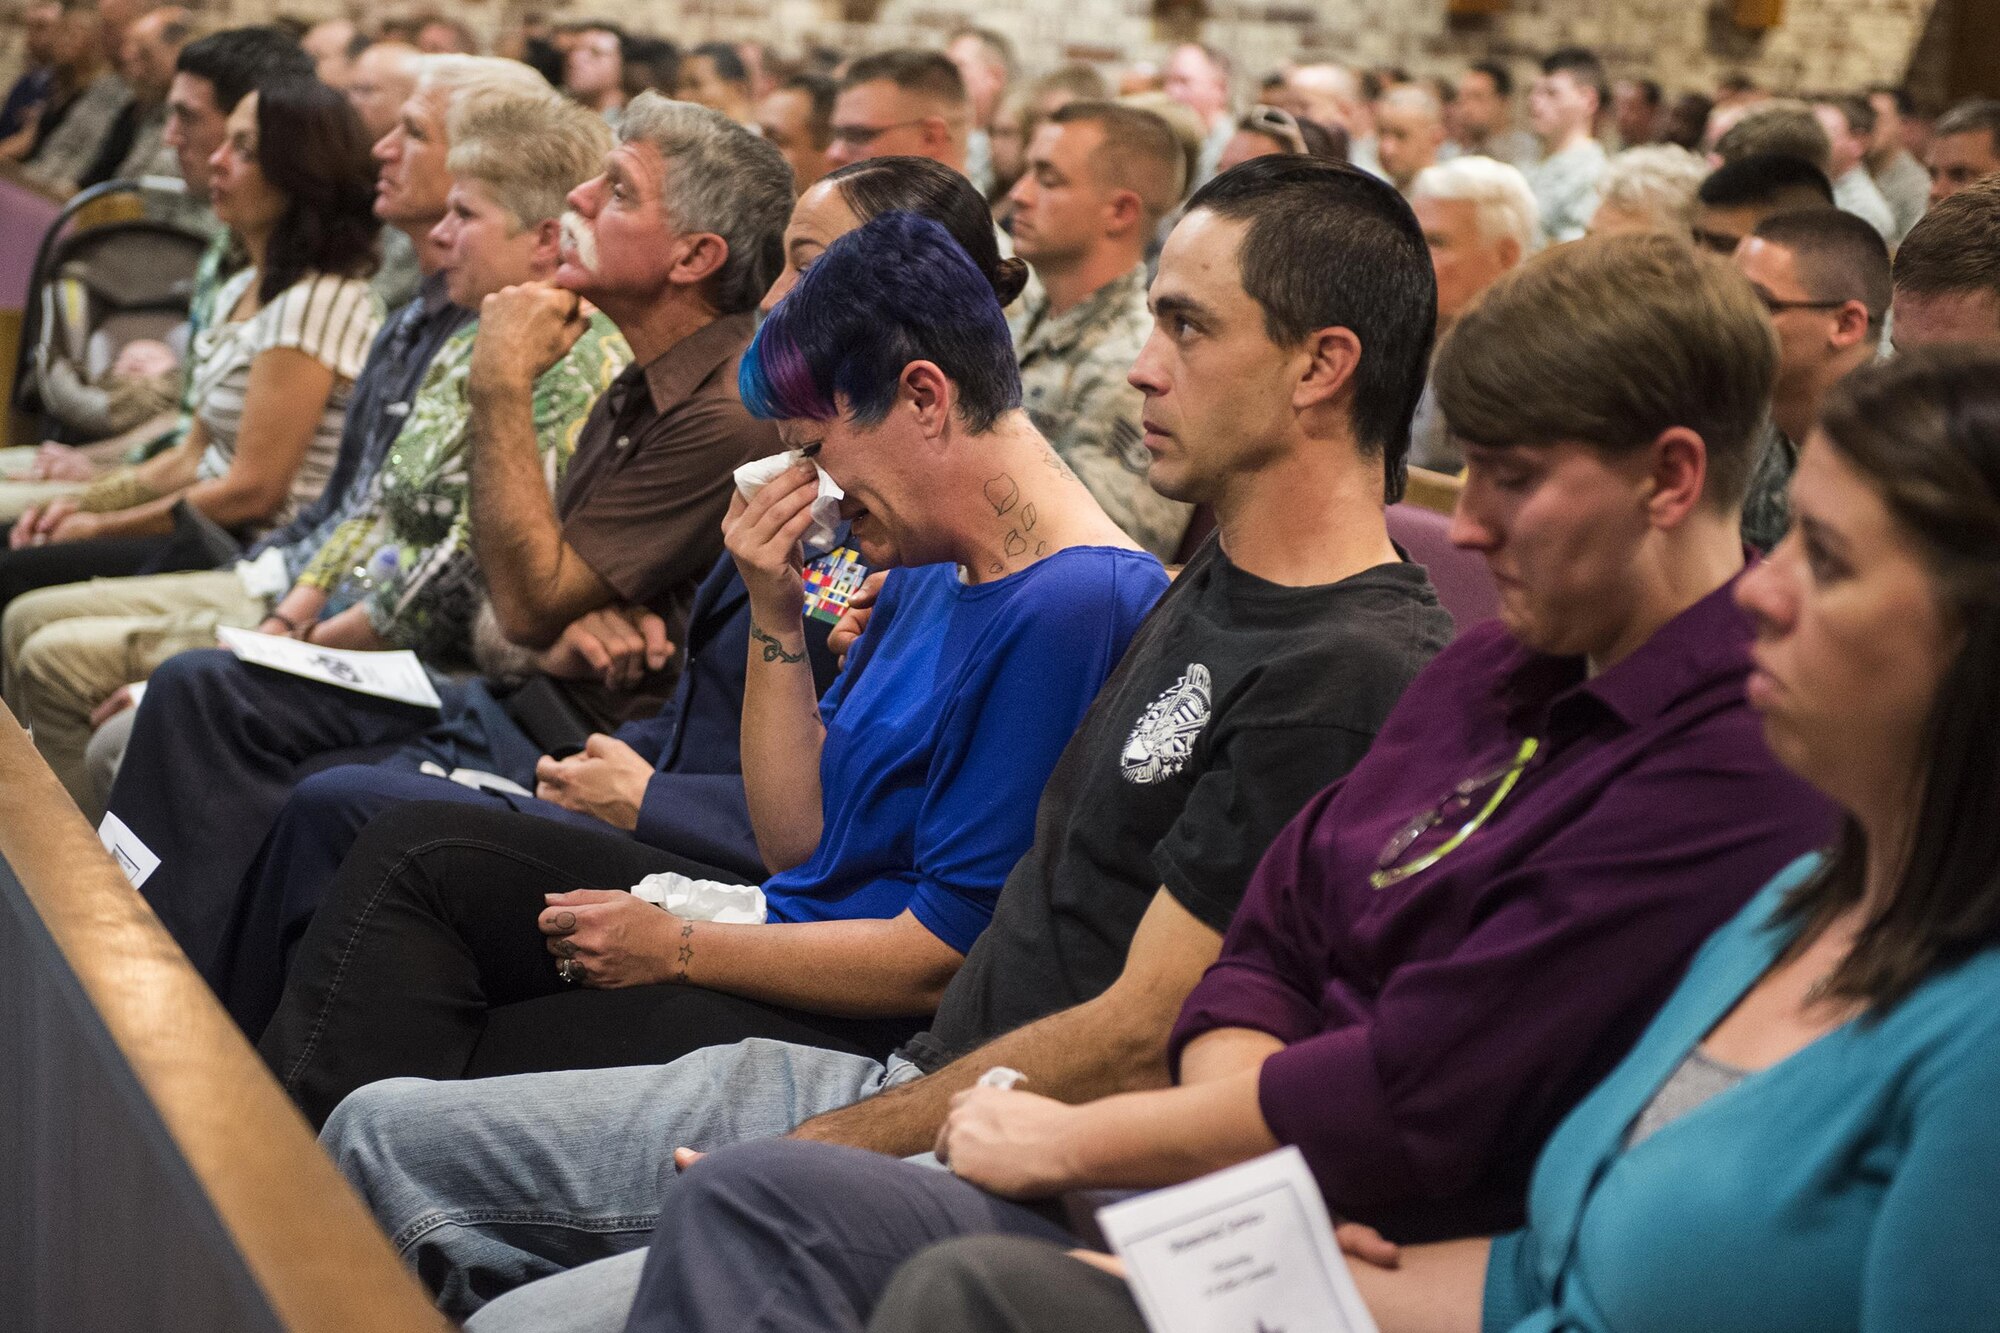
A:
617,548
675,241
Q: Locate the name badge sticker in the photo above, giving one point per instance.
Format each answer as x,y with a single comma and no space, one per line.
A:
1247,1250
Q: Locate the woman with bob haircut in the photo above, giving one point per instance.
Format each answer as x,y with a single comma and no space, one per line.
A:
1803,1139
884,861
270,376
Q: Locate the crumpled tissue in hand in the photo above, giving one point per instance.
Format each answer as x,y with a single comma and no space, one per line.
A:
754,476
704,899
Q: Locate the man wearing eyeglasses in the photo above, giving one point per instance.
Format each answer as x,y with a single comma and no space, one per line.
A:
909,103
1824,277
1260,677
901,103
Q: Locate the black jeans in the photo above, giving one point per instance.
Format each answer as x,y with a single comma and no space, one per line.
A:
425,960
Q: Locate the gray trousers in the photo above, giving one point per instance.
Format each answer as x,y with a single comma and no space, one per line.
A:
784,1236
1004,1284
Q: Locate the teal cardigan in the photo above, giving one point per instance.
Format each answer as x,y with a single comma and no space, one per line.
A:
1853,1185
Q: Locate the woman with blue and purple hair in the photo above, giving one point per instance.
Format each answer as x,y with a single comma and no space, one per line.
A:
893,810
892,813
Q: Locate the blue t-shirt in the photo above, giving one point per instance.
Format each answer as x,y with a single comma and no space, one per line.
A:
940,734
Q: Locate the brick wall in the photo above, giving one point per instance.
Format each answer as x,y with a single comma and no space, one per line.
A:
1820,43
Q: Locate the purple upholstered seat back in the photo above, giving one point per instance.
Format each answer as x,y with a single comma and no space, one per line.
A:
1460,577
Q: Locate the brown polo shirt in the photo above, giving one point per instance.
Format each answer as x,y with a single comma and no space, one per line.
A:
644,496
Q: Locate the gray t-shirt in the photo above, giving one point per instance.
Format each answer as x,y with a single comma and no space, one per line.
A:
1235,703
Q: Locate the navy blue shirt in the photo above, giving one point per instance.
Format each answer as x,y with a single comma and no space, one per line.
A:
940,734
694,804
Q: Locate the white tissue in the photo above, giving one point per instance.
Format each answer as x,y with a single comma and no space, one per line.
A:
754,476
704,899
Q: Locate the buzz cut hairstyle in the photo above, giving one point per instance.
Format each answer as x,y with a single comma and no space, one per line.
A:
1767,180
1140,153
528,152
1840,257
1503,79
1580,63
926,73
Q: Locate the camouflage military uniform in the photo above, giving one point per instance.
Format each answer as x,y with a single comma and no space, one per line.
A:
1073,369
1767,509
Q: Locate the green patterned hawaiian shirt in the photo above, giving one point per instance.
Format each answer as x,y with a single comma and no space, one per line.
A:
408,557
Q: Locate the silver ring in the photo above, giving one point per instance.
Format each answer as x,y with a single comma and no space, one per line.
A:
569,971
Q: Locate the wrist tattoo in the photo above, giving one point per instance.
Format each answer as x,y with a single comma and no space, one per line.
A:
774,651
687,952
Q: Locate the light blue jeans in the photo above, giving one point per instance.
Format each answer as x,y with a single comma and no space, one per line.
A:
486,1185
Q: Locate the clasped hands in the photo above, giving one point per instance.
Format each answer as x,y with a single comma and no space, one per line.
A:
53,521
607,779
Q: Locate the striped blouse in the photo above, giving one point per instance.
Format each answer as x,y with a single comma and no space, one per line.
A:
331,319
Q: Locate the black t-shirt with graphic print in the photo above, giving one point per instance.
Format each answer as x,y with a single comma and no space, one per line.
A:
1236,701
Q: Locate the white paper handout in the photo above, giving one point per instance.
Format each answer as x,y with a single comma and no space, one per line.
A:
135,858
393,675
1245,1249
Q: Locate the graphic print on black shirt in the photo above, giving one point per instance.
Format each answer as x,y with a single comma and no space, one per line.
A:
1237,700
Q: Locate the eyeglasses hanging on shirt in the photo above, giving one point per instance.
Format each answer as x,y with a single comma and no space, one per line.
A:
1494,784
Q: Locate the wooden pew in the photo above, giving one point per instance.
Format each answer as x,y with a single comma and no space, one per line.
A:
1435,491
152,1174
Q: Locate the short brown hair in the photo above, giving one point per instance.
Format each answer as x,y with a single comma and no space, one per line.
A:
926,73
1140,153
1780,126
1609,341
1956,246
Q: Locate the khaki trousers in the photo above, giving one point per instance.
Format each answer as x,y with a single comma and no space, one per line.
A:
68,648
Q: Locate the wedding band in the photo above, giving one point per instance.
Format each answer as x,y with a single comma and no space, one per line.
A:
568,970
